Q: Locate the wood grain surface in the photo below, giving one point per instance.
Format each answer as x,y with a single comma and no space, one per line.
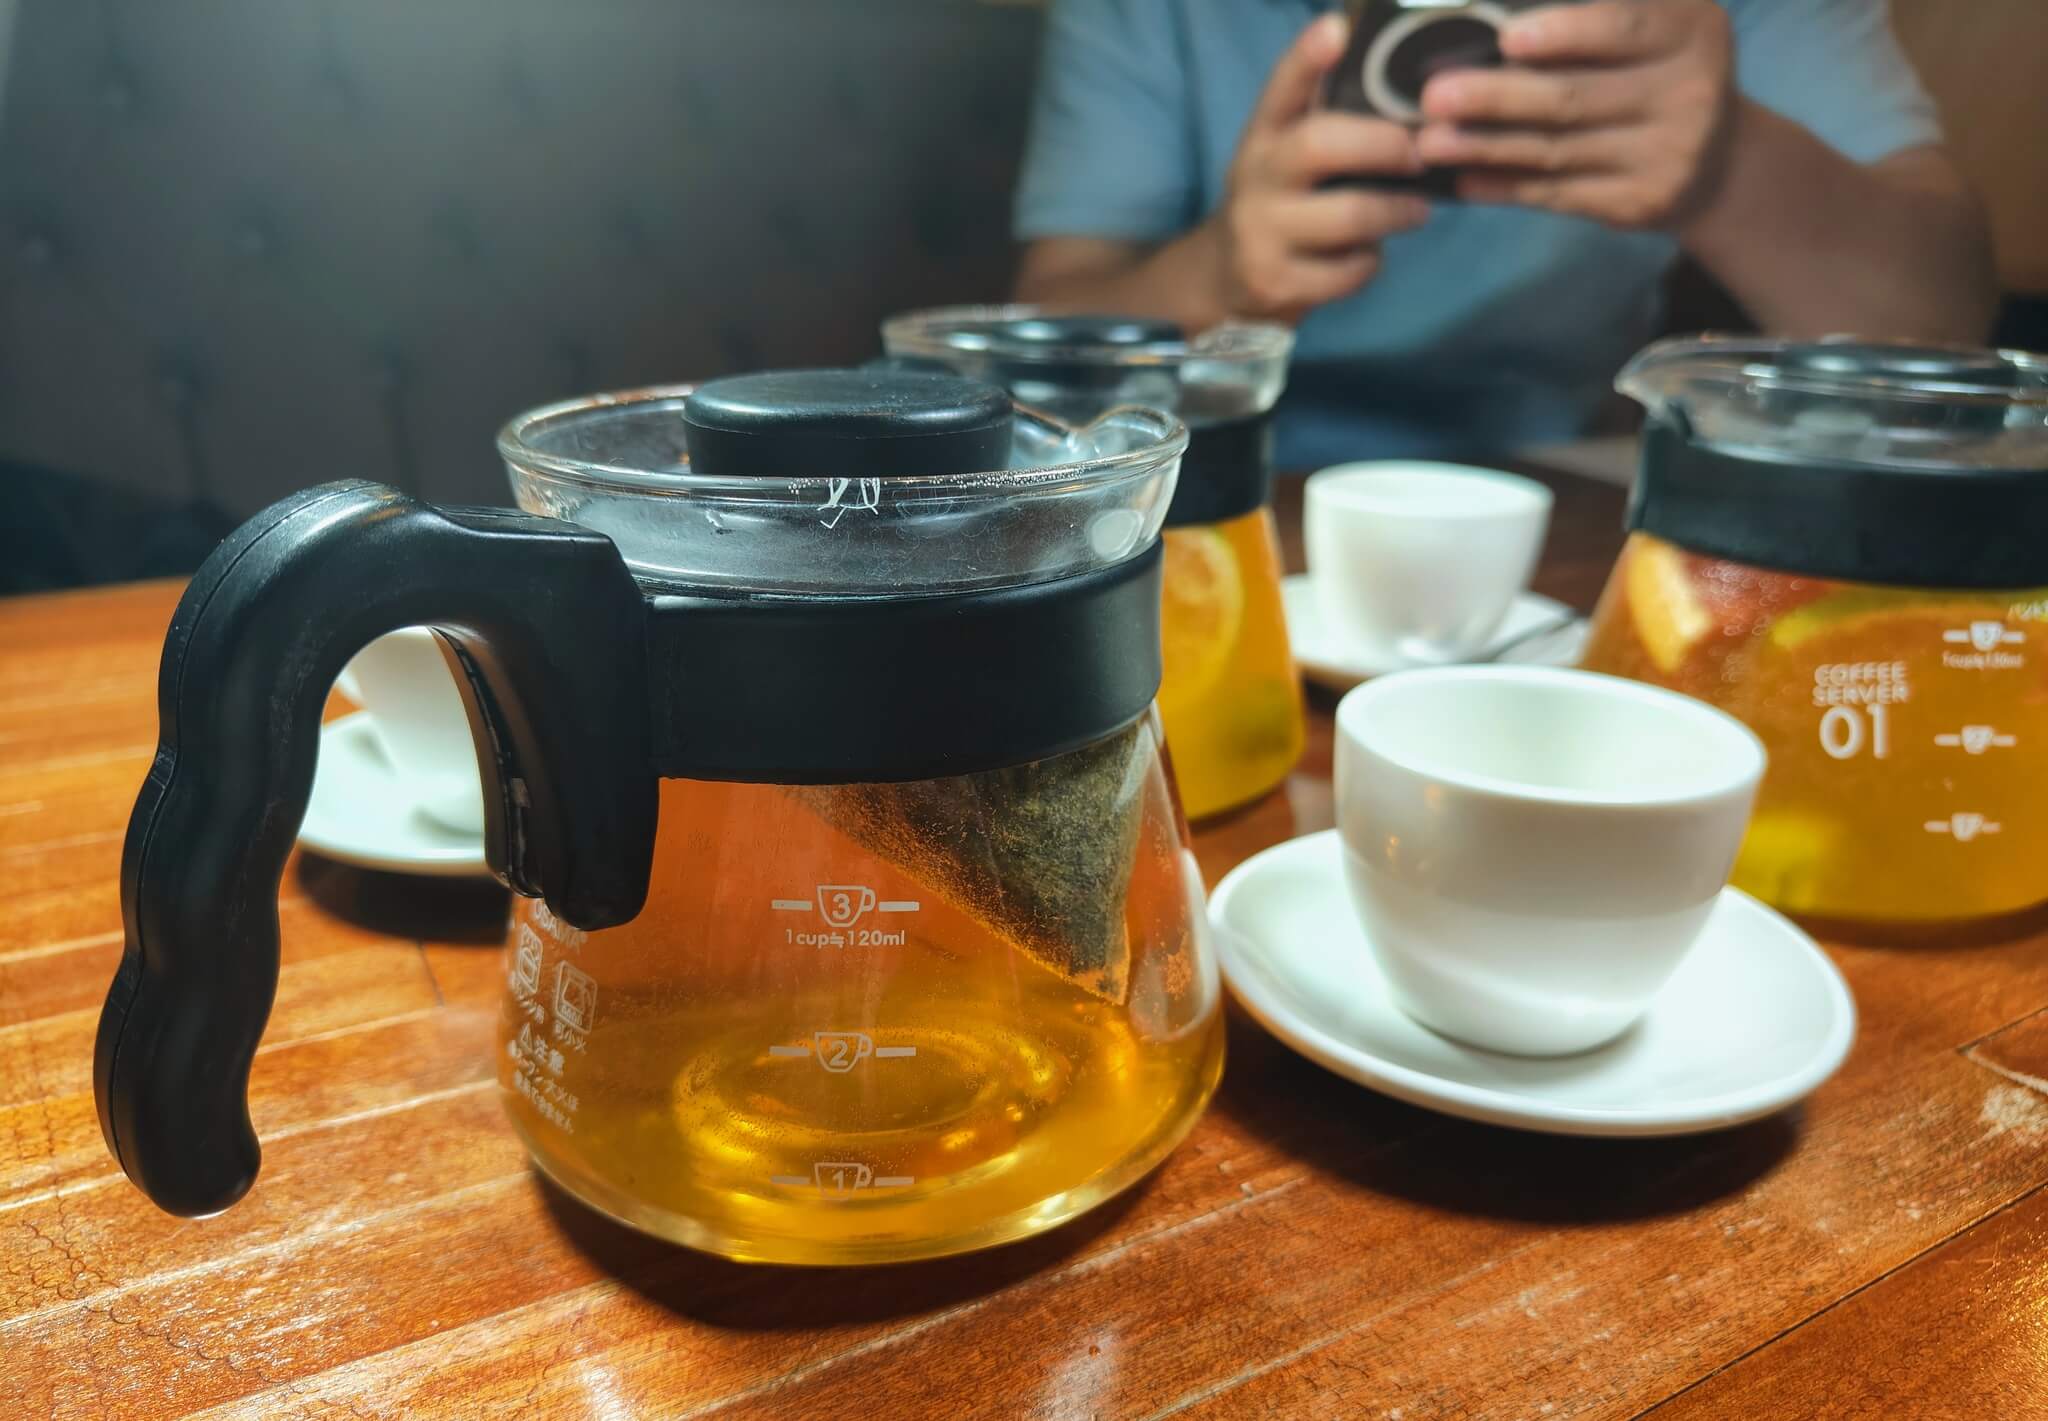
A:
1313,1250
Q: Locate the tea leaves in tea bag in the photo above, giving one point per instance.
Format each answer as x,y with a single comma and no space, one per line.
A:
1042,852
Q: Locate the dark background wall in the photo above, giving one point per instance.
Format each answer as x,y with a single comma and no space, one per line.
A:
247,245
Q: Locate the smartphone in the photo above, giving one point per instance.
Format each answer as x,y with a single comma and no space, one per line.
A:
1398,46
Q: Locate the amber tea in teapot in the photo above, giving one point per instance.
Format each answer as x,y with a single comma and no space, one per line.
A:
917,1045
814,714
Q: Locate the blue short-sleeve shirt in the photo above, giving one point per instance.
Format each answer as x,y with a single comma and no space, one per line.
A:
1488,326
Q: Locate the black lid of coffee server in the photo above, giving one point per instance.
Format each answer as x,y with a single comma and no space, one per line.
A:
1228,469
853,423
1863,461
1073,345
1223,384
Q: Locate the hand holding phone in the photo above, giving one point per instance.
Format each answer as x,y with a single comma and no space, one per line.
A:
1621,111
1286,237
1398,46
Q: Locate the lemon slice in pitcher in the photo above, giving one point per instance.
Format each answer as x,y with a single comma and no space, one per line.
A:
1669,615
1201,613
1903,617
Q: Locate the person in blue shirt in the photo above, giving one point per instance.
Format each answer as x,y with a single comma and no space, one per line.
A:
1180,165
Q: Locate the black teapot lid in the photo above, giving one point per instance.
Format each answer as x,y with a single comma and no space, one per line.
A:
1865,461
1083,329
867,423
1223,382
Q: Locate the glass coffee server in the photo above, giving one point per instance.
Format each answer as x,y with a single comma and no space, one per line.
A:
857,920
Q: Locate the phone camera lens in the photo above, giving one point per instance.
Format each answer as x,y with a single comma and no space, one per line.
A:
1422,45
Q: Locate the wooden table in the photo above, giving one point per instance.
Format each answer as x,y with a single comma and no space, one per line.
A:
1313,1250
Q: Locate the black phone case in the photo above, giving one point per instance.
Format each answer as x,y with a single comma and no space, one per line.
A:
1431,38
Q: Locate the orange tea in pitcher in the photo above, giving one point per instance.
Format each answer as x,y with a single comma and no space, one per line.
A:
1907,777
1839,541
1230,697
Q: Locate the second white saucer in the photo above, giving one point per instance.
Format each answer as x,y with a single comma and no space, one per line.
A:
1327,658
1754,1019
361,814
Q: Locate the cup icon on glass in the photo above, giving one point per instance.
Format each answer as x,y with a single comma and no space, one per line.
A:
842,905
841,1051
836,1177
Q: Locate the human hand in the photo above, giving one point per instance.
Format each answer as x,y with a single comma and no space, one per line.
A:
1283,244
1616,110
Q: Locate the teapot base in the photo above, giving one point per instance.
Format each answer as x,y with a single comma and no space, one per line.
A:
909,1221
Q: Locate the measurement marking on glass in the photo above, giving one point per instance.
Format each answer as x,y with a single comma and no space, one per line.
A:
842,906
1976,739
1963,827
838,1178
840,1051
1984,635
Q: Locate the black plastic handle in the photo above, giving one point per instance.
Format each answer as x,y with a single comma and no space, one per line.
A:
547,627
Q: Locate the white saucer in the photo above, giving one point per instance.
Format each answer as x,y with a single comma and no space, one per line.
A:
361,814
1324,657
1755,1017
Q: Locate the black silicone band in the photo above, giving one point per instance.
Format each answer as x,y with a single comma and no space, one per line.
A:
837,690
1934,528
1226,473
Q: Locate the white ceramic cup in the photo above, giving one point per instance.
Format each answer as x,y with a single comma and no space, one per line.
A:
403,682
1533,851
1419,563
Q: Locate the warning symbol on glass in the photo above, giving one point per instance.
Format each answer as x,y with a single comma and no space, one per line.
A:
526,962
575,997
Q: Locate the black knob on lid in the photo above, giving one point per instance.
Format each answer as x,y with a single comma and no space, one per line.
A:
868,423
1078,355
1962,389
1904,364
1086,330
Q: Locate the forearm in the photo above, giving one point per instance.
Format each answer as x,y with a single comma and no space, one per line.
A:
1175,281
1811,242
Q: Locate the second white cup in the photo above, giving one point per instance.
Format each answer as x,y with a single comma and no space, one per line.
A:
1419,563
1533,851
403,682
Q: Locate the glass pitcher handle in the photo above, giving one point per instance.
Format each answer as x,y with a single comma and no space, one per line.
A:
546,627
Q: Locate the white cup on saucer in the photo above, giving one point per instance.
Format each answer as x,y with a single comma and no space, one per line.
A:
1533,851
402,682
1418,563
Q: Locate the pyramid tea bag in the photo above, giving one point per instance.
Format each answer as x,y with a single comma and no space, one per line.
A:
1040,852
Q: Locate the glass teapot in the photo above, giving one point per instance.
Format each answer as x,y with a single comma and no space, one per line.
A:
814,709
1845,543
1231,699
